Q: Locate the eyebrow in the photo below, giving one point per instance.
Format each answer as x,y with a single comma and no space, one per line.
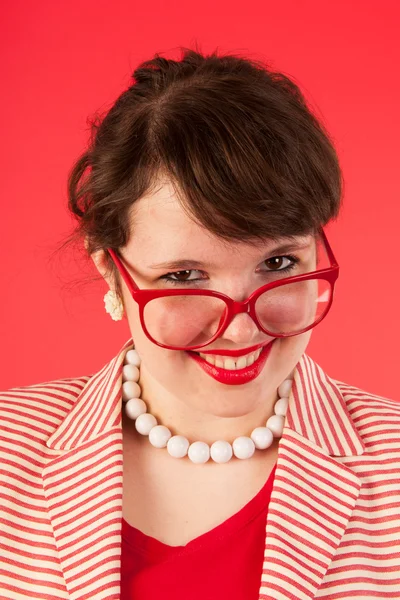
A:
195,264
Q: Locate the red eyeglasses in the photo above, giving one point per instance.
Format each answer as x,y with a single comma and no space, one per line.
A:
187,319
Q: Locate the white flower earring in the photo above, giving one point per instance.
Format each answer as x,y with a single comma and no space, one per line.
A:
114,306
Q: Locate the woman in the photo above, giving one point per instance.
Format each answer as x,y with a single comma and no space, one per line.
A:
211,457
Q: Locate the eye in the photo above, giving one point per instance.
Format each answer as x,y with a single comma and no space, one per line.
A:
181,276
278,262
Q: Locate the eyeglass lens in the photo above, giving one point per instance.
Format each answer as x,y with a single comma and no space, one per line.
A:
191,320
185,321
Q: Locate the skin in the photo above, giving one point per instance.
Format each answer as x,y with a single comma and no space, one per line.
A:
177,391
174,500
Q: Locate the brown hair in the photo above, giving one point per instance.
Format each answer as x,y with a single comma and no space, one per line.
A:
247,157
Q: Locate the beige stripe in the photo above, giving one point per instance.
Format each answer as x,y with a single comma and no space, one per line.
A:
314,471
111,535
97,568
100,503
31,592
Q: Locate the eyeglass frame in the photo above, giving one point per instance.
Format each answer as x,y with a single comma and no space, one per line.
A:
234,307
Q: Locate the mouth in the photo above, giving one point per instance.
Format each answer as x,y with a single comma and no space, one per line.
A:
232,370
231,363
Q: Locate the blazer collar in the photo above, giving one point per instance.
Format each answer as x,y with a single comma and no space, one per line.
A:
317,409
97,407
314,494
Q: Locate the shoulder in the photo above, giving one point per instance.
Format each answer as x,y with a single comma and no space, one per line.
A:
357,397
376,417
38,409
58,393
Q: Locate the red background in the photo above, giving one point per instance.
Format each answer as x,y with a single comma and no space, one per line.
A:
64,61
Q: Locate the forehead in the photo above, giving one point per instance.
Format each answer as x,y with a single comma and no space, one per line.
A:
161,229
160,208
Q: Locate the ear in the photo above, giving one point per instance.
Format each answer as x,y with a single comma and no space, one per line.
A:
100,261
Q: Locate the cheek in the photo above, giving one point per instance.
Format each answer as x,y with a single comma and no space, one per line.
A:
292,348
287,353
131,308
132,314
159,361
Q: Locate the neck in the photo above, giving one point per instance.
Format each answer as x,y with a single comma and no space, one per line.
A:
222,415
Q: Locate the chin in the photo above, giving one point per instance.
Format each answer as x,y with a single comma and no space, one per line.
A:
239,400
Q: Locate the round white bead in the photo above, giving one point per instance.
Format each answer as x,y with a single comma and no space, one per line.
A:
199,452
133,358
178,446
276,424
221,451
130,373
281,406
135,407
262,437
159,436
144,423
243,447
285,388
130,389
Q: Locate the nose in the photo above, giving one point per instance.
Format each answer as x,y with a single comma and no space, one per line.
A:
242,330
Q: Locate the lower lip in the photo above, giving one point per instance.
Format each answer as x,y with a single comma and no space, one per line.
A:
234,376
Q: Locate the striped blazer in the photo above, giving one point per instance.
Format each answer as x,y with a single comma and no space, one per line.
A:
333,527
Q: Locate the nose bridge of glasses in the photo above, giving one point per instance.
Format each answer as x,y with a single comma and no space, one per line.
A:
239,327
240,307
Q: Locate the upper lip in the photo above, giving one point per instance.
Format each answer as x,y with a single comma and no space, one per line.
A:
240,352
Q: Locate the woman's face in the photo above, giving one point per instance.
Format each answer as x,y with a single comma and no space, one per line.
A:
163,233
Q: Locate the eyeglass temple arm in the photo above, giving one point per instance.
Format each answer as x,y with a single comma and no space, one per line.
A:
329,250
122,269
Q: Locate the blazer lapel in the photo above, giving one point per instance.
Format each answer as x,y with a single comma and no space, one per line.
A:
82,482
314,493
311,503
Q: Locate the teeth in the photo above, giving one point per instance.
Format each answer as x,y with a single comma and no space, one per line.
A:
210,359
241,363
229,362
250,361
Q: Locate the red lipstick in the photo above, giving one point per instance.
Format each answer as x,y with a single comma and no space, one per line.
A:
234,376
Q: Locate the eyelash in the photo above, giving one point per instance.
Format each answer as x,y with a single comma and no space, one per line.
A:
167,277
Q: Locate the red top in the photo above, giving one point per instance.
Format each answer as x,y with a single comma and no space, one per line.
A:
225,562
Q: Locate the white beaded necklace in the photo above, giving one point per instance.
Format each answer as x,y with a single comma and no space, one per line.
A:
198,452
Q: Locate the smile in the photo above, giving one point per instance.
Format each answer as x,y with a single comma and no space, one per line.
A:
230,363
233,371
